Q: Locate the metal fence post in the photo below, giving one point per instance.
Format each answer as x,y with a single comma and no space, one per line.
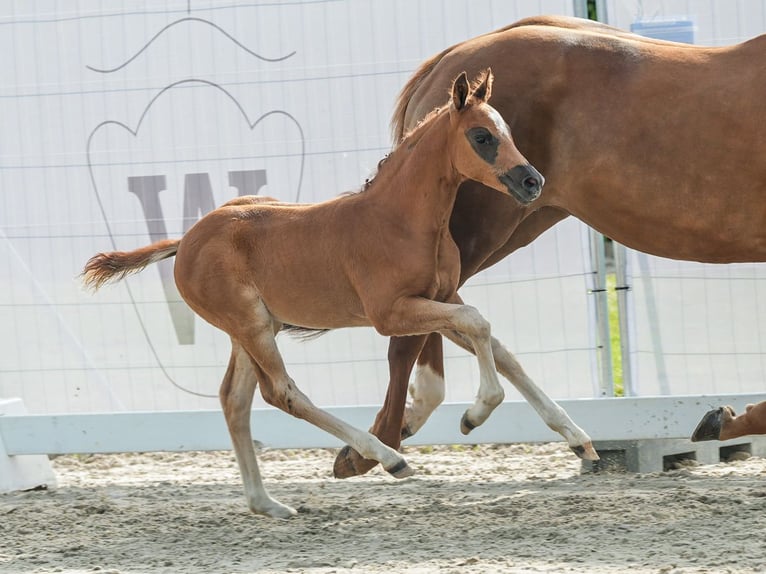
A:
598,290
622,287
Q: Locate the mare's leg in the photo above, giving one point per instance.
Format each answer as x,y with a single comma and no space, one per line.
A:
427,390
236,396
723,423
752,421
279,390
552,414
419,315
402,352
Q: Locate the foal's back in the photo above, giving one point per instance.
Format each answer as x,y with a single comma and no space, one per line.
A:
292,256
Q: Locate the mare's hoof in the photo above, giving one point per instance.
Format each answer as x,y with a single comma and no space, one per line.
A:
400,470
466,426
709,428
350,463
585,451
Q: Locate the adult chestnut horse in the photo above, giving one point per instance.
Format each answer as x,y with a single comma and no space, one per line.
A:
723,423
658,145
382,257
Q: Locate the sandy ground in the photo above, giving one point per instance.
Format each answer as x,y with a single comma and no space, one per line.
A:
491,509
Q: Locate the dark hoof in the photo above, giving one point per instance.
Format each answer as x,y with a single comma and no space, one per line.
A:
466,426
400,470
350,463
585,451
709,428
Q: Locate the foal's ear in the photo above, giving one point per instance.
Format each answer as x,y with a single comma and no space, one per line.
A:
460,91
484,90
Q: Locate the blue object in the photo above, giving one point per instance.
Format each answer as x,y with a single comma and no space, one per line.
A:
672,30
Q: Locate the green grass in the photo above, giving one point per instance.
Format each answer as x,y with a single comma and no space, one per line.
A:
614,334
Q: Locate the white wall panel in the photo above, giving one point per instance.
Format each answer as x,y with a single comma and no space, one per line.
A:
696,328
717,22
174,98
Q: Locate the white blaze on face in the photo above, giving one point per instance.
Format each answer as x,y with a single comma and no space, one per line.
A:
495,116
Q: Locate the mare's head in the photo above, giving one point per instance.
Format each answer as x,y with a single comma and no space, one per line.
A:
482,148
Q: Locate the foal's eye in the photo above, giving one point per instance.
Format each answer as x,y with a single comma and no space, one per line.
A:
481,136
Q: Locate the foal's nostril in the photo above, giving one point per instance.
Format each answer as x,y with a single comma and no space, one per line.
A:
531,183
524,182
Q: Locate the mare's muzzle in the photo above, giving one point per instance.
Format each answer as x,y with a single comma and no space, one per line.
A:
524,183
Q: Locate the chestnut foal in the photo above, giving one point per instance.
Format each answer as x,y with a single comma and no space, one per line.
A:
382,257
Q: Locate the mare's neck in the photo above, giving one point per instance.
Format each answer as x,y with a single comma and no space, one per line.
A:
418,182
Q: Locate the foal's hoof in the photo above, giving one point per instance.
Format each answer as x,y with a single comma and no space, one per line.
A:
350,463
466,426
585,451
275,509
400,470
709,428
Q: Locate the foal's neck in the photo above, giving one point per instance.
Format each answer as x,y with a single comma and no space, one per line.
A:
418,179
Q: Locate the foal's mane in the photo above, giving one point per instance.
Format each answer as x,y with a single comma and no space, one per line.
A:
397,122
406,139
369,180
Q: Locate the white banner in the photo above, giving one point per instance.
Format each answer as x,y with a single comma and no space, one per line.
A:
124,124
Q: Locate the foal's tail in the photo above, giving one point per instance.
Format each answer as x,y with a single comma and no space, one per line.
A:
110,267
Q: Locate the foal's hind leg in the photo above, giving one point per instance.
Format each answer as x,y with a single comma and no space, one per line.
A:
402,352
236,396
279,390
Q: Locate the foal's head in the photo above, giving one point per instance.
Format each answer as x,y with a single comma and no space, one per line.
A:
482,148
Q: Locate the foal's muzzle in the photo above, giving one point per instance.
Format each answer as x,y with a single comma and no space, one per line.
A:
524,183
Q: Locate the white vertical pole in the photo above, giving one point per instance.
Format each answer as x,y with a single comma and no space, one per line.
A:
598,290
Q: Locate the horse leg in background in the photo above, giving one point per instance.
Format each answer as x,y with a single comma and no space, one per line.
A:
474,233
236,396
427,390
402,352
723,423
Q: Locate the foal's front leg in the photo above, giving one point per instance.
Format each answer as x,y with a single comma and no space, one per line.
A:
419,315
552,414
